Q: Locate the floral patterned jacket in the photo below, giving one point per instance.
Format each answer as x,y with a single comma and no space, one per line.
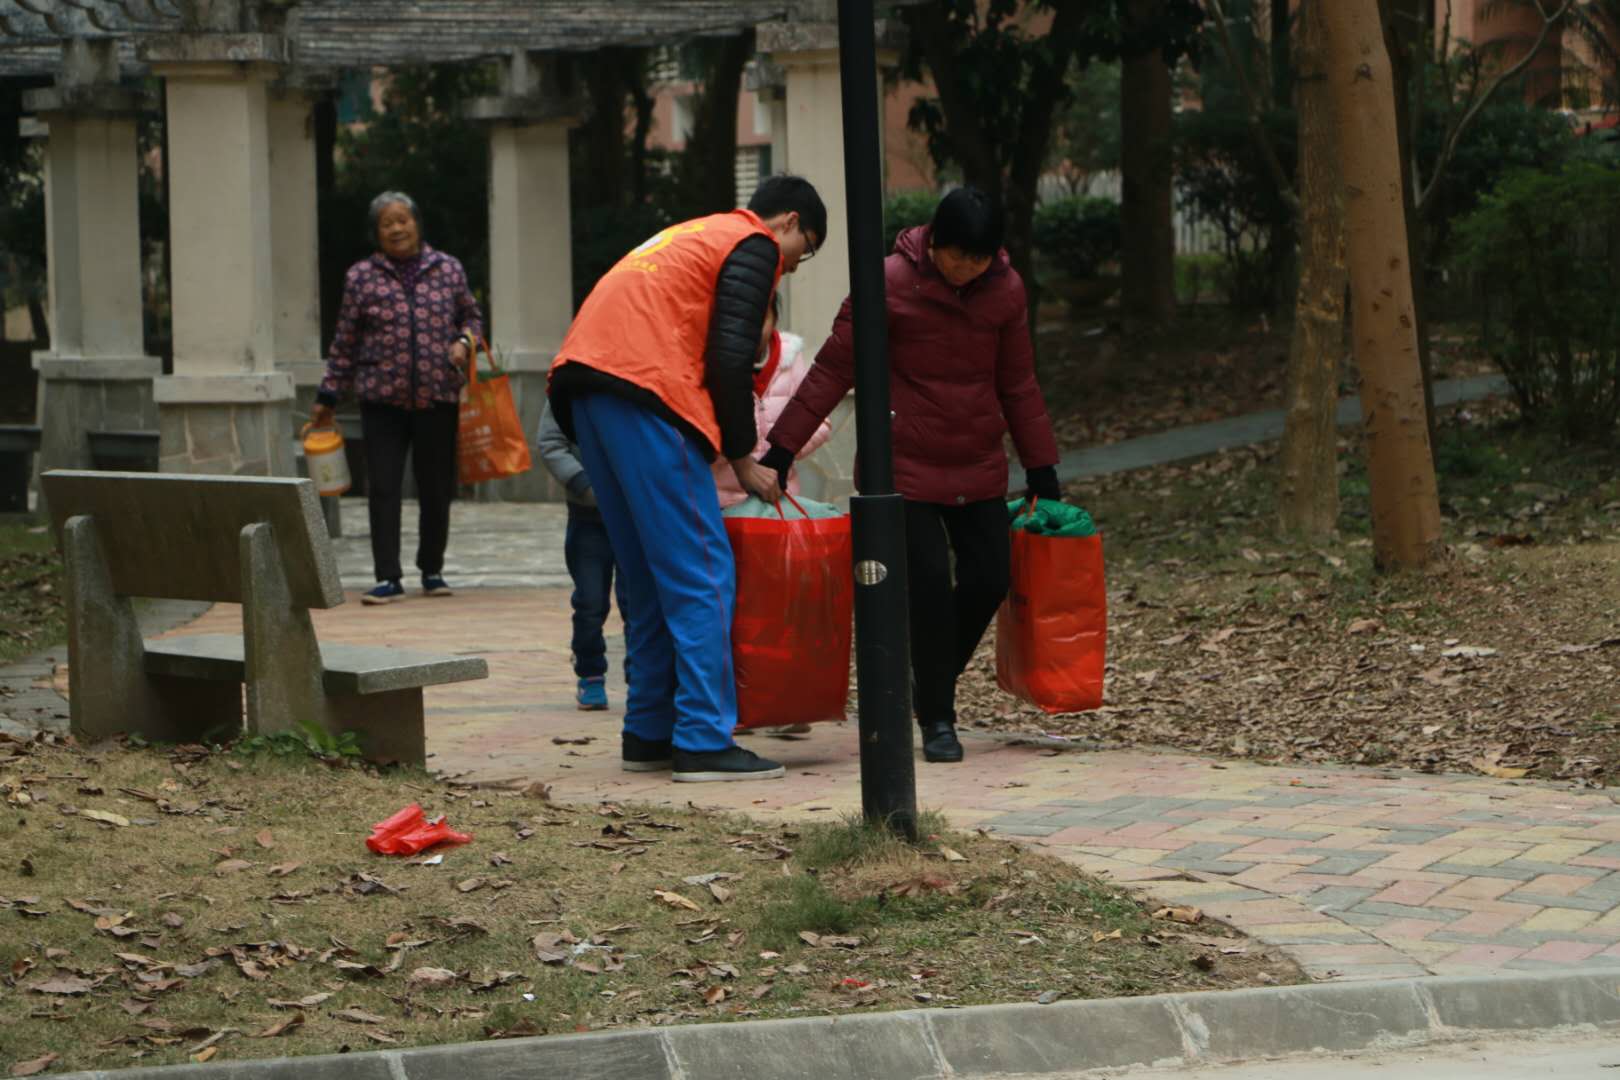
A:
395,328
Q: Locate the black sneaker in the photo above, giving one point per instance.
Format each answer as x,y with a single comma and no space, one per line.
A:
940,743
644,755
732,763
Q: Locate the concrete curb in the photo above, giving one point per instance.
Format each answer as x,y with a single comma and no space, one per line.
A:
1168,1030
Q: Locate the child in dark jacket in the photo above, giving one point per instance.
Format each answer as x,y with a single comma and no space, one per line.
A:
590,562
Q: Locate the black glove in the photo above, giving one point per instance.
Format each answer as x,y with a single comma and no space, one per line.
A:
780,462
1043,483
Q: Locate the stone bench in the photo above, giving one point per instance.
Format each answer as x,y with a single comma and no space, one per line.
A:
256,541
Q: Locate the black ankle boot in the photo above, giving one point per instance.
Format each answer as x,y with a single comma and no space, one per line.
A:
940,743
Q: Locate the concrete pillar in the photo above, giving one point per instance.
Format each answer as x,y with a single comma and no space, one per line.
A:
531,290
227,407
295,243
96,375
808,125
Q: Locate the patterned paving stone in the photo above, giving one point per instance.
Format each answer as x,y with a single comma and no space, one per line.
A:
1354,873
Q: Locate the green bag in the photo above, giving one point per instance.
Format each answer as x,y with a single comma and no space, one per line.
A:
791,508
1050,518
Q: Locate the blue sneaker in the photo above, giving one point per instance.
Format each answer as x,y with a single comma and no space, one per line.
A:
434,585
385,592
592,695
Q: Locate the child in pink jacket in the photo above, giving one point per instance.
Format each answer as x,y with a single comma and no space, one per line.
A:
778,370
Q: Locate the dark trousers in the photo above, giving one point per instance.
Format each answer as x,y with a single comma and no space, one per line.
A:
948,617
429,437
589,555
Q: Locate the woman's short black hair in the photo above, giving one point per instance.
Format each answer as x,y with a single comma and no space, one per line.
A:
786,194
969,219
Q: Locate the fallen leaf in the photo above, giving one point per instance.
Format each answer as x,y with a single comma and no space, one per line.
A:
1364,626
358,1016
63,984
34,1067
264,839
1187,915
719,892
472,884
675,900
714,995
836,941
205,1054
1468,652
538,790
432,976
951,854
302,1003
380,1037
231,866
283,869
106,817
1098,936
292,1023
1501,772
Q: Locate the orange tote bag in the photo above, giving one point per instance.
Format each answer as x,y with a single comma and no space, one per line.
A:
490,444
1052,629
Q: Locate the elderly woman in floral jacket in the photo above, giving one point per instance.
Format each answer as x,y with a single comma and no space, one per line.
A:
405,335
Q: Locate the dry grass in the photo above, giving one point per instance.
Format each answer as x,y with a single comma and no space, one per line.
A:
239,915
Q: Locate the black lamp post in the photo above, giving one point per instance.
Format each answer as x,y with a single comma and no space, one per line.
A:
882,645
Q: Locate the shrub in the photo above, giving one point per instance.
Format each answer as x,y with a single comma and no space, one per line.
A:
905,209
1544,252
1079,234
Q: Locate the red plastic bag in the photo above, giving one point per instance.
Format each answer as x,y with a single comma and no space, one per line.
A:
1052,630
409,831
791,636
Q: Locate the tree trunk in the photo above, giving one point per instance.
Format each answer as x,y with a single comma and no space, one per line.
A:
1308,502
1400,466
1148,288
1284,238
1406,28
710,159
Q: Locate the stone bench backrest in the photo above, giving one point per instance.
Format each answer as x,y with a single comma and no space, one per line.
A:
178,536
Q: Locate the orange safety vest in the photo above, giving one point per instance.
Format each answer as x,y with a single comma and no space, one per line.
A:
647,320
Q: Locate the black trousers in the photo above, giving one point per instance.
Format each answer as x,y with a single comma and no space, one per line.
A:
429,437
948,617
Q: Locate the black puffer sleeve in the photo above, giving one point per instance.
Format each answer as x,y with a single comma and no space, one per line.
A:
742,293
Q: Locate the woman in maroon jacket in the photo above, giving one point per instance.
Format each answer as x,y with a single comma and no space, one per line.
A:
962,375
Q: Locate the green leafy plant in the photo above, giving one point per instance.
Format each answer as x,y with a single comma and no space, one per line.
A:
1543,250
1079,234
904,210
310,740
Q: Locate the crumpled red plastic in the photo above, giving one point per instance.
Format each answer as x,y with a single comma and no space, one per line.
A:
409,832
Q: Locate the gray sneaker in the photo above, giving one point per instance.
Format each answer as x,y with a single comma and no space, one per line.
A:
732,763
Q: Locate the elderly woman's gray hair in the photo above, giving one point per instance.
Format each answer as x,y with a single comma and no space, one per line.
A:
384,201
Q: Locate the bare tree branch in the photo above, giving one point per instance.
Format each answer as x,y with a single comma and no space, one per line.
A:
1479,102
1262,137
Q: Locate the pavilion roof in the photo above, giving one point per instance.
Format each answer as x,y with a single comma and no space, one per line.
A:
360,33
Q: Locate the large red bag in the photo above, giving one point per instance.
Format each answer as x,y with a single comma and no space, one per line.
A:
1052,629
791,637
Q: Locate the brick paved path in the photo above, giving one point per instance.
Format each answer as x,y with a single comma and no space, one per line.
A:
1356,873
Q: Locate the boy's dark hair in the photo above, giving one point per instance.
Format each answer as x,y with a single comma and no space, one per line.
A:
785,194
969,219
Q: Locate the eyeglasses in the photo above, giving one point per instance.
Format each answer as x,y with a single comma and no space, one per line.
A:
809,249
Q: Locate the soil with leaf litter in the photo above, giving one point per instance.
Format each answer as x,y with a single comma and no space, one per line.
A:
192,904
1225,639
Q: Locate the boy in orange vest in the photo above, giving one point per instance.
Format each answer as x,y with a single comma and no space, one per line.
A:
653,381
